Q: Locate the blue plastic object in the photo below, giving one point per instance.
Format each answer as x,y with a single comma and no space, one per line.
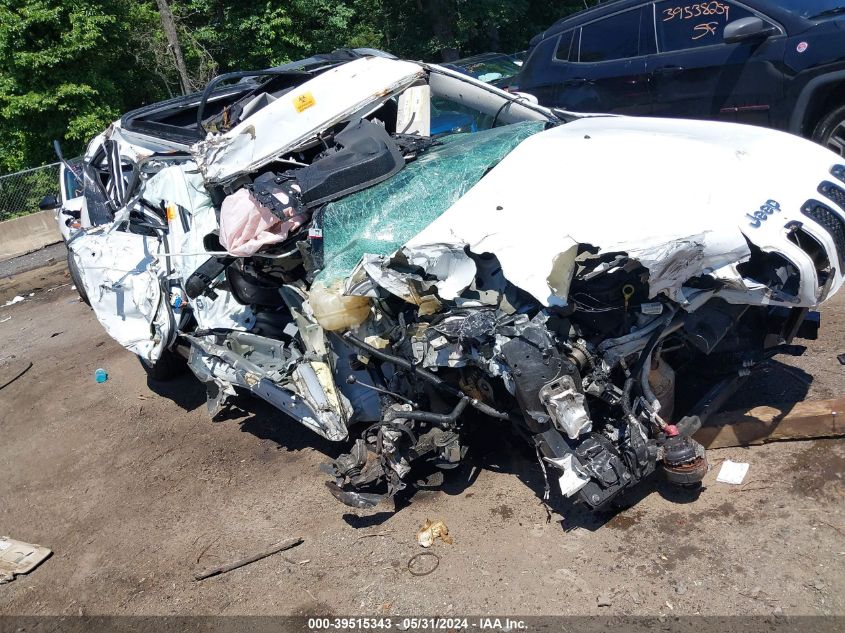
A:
101,375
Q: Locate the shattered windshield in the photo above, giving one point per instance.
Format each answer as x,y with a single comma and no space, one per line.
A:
382,218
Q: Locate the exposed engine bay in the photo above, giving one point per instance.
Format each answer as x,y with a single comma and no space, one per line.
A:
325,245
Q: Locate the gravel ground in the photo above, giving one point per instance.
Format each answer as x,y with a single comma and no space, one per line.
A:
30,261
135,489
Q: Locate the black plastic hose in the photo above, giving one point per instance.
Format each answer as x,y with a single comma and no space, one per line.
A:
439,419
430,378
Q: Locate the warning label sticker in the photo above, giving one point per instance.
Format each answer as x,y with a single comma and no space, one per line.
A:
303,102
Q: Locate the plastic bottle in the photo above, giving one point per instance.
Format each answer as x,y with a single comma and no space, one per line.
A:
176,300
334,311
662,381
101,375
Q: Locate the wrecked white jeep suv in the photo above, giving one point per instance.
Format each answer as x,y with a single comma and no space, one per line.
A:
599,283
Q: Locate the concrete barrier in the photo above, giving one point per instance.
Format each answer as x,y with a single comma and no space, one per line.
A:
23,235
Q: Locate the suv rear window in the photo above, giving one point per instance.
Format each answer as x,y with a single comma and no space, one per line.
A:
616,37
683,25
562,53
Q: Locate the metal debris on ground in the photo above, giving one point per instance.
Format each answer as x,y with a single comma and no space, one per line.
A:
732,472
419,557
17,557
430,531
12,369
222,569
374,534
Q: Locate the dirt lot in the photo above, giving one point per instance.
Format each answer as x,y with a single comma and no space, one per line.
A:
135,489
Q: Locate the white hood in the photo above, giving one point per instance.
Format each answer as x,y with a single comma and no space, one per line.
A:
585,183
293,119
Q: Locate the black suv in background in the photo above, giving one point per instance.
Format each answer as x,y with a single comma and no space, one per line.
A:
777,63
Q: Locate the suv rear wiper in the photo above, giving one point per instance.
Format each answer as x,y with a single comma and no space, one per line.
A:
829,12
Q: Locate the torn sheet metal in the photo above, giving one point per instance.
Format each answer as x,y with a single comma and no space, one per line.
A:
180,191
296,117
17,557
122,276
573,478
222,311
451,269
304,389
693,220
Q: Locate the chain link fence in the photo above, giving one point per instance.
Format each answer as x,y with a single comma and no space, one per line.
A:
21,191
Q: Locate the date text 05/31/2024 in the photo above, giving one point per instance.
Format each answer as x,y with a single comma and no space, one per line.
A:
416,624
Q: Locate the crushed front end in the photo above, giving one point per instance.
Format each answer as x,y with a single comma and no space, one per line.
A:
320,248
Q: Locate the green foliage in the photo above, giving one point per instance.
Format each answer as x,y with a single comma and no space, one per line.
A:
69,67
253,35
65,73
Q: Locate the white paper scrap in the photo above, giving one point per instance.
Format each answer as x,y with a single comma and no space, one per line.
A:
732,472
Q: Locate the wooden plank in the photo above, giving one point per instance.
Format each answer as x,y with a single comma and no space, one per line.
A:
798,421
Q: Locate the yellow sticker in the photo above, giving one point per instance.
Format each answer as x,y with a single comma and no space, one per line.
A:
170,209
303,101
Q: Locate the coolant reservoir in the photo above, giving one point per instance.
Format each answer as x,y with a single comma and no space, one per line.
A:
662,382
334,311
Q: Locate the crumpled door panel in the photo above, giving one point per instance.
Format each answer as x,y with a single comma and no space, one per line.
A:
121,277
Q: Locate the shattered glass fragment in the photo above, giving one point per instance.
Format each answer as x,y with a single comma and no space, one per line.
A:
382,218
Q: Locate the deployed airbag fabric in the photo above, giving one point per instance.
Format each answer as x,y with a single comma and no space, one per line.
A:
246,225
380,219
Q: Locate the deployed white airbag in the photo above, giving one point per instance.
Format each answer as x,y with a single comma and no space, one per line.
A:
246,226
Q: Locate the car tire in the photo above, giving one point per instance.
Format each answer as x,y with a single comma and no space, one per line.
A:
169,366
76,278
830,131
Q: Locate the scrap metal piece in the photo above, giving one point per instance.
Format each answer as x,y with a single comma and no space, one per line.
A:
354,499
17,557
222,569
567,407
573,477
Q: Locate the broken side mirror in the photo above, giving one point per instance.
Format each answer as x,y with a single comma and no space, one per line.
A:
58,149
49,202
747,29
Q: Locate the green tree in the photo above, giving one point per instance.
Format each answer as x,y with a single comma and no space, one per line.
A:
70,67
252,35
65,72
